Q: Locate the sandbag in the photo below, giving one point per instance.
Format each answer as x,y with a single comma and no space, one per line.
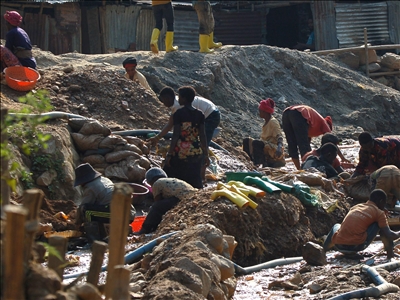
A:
311,179
94,159
112,141
115,171
145,149
94,127
77,123
144,162
120,155
134,140
130,147
135,172
101,151
87,142
358,188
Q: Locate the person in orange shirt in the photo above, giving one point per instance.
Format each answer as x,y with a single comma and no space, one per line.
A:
360,227
301,123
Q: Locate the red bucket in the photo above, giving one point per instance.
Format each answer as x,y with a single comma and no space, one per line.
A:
137,223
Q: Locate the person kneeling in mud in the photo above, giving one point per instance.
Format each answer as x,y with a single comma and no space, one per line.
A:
268,150
360,227
94,209
167,192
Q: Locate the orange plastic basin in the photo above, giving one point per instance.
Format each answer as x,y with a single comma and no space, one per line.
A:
137,223
21,78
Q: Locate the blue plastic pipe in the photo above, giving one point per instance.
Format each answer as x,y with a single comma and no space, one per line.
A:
269,264
382,287
132,256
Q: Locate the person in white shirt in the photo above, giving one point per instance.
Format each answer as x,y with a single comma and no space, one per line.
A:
131,73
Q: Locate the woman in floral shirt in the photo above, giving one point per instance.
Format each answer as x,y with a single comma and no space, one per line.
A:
188,151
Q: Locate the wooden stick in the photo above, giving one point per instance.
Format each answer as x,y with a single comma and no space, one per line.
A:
98,250
351,49
60,245
384,73
366,52
32,201
120,289
120,210
13,279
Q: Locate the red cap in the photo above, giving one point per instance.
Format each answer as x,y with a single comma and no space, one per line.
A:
267,105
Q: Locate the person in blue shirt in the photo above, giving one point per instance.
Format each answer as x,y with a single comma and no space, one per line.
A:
18,41
310,44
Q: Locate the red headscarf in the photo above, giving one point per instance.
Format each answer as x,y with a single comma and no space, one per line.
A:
267,105
328,120
13,17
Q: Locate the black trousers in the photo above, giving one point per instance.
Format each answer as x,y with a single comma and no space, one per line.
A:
296,131
157,211
164,11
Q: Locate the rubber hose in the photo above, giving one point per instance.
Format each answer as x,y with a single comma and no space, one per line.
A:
145,132
375,291
269,264
132,256
50,115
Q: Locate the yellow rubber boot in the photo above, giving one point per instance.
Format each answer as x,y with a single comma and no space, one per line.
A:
235,189
247,189
169,40
203,42
154,40
211,43
235,198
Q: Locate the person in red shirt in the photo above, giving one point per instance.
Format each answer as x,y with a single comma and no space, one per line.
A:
360,227
301,123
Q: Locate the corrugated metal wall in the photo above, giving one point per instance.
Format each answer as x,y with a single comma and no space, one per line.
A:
324,25
394,21
239,28
352,18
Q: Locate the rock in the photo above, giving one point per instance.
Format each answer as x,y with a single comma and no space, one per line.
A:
46,178
74,88
137,286
216,241
372,57
396,281
350,59
391,60
314,254
382,80
373,67
225,266
315,288
68,69
87,291
136,276
41,282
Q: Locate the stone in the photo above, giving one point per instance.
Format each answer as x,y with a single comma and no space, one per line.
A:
372,67
372,56
46,178
382,80
391,60
87,291
137,286
215,240
314,254
190,266
315,288
136,276
350,59
225,266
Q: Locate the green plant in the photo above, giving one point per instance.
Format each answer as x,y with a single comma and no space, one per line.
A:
22,131
26,179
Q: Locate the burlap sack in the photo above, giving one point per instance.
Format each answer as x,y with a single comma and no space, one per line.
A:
115,171
120,155
145,149
144,162
134,140
358,188
130,147
87,142
135,172
94,159
94,127
77,123
112,141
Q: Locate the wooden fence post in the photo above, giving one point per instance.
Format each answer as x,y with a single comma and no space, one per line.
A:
5,189
13,279
98,250
55,263
119,223
32,201
366,51
120,289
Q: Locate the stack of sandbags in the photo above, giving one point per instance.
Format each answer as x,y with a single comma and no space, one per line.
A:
113,155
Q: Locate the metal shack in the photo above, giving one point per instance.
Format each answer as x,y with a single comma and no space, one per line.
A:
94,27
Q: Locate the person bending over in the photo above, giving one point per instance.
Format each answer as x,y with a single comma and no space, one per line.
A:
167,193
360,227
301,123
324,161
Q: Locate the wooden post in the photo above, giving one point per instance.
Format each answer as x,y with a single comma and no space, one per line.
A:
13,260
98,250
366,51
120,210
32,201
55,263
120,289
5,189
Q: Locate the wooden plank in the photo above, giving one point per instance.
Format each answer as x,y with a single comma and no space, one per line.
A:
384,73
55,263
98,250
351,49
